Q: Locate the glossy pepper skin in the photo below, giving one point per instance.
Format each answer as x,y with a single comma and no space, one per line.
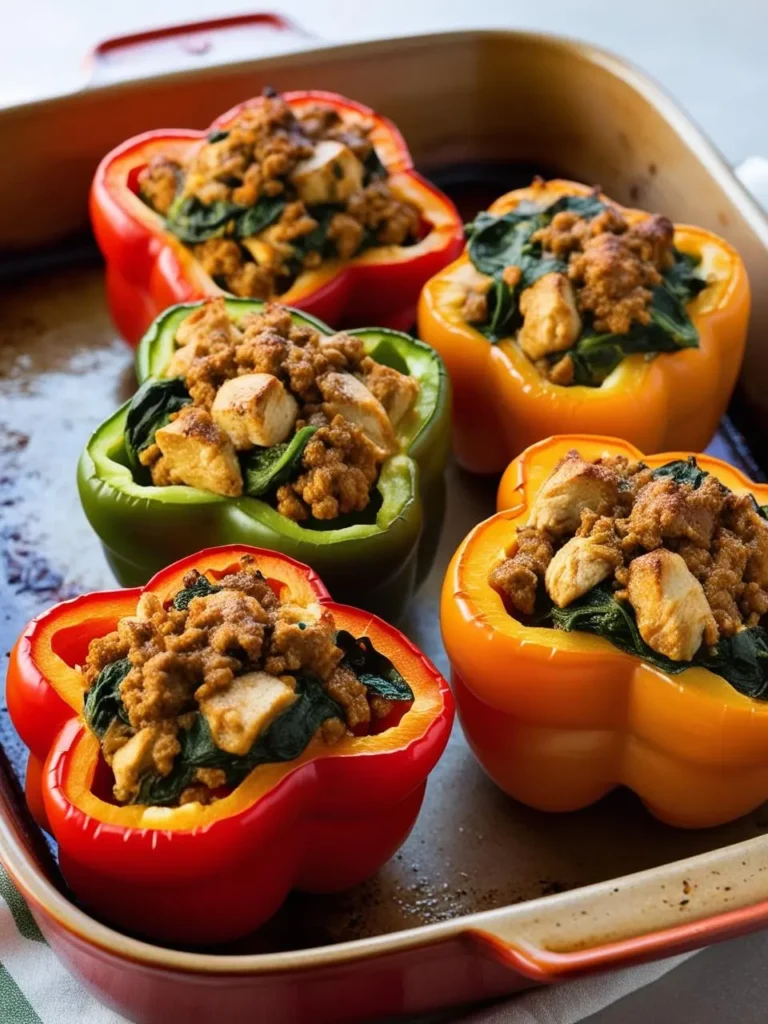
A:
675,400
200,875
558,719
377,564
149,269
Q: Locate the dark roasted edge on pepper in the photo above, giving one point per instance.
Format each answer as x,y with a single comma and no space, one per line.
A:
149,269
197,874
377,565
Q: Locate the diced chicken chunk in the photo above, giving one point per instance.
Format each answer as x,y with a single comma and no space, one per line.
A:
269,249
576,568
210,322
131,761
238,714
254,409
331,175
197,453
348,397
575,485
181,360
551,322
396,392
673,615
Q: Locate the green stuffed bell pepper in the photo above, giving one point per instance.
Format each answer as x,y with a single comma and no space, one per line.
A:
343,470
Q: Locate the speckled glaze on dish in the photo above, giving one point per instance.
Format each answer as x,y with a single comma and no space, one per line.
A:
486,896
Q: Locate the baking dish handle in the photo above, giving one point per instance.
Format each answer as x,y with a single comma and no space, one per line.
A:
645,916
193,44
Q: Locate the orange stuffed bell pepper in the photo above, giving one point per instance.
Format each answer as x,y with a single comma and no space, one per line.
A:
570,313
629,654
219,738
307,197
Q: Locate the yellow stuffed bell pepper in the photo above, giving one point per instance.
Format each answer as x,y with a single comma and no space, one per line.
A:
560,716
568,312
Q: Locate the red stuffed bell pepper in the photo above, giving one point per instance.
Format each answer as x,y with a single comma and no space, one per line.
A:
328,789
341,227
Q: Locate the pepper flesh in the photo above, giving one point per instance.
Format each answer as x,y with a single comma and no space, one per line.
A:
502,404
572,716
149,269
196,874
377,564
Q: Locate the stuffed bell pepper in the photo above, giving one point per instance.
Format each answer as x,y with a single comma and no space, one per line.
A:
307,196
255,424
570,313
608,627
204,745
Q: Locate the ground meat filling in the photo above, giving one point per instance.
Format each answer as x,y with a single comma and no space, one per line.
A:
612,268
317,161
720,538
184,661
288,377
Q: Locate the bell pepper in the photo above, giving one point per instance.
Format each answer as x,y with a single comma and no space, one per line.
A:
558,719
202,874
149,269
377,564
675,400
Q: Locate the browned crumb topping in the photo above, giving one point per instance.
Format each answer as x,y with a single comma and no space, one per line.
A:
341,465
185,661
311,159
518,578
720,537
325,382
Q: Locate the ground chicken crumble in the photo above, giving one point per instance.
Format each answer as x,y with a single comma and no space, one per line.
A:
697,556
316,161
288,376
185,661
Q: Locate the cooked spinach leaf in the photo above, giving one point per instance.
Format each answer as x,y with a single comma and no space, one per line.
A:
265,212
202,587
496,242
586,207
264,469
742,659
503,309
375,671
283,740
595,356
193,221
374,169
151,408
681,278
386,354
103,702
683,471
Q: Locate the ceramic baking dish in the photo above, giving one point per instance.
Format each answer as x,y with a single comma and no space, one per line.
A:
487,896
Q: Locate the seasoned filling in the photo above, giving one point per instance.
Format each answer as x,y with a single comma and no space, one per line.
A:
276,194
187,698
579,286
666,562
270,408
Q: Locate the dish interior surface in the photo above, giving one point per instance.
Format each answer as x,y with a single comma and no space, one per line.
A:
62,371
